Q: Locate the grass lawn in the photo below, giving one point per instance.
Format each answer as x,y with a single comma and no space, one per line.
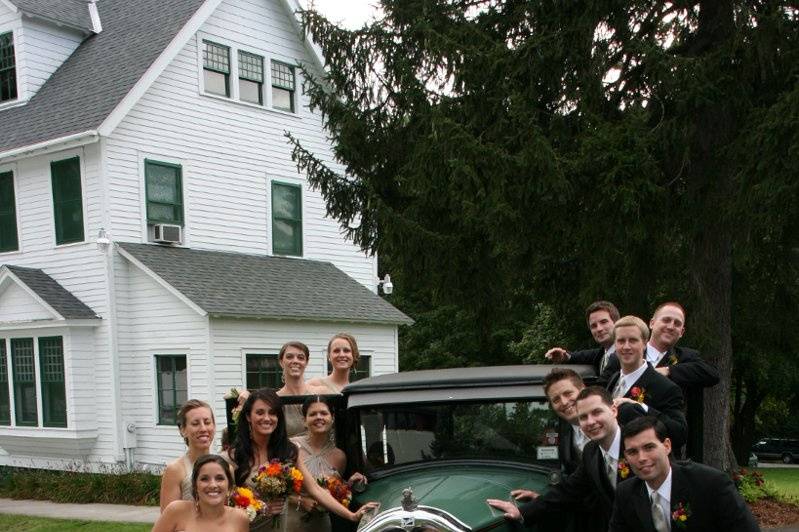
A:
37,524
786,479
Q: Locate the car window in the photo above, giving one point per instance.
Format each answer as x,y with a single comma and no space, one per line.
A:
404,434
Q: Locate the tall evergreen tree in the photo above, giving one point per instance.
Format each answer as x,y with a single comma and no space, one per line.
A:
501,152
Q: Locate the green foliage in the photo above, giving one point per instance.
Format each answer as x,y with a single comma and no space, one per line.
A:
503,155
76,486
752,486
785,481
20,523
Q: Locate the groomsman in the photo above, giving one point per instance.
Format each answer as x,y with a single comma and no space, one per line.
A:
637,388
561,386
600,316
682,365
669,496
592,486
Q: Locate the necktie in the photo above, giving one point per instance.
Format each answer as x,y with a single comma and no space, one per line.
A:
604,362
661,525
610,469
617,392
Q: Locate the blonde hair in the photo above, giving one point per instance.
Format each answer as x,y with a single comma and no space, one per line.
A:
632,321
356,355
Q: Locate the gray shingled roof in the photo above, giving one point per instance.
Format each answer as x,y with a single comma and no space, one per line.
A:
55,295
72,12
257,286
97,76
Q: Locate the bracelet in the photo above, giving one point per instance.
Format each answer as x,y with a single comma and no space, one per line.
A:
299,502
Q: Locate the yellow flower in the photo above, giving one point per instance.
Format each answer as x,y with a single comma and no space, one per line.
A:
683,517
296,474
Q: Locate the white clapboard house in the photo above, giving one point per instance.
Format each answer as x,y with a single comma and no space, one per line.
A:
156,241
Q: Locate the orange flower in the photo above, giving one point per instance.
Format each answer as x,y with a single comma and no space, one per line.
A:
273,469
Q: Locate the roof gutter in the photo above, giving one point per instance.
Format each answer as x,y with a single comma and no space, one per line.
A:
49,146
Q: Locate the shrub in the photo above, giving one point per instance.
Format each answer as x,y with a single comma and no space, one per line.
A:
753,487
111,486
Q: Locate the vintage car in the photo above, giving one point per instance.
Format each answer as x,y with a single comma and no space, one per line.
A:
436,444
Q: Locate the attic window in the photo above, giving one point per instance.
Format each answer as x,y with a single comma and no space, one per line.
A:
216,68
283,86
8,71
251,77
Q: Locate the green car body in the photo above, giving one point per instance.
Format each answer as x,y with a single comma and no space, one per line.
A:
436,444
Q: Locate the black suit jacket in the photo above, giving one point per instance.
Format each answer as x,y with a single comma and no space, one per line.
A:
568,457
709,495
664,399
587,489
591,357
692,374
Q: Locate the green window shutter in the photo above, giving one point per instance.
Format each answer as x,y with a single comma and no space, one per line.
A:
8,68
263,371
164,186
172,383
67,200
24,368
51,368
286,219
8,214
5,403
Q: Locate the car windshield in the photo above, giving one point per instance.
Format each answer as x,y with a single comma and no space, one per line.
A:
519,431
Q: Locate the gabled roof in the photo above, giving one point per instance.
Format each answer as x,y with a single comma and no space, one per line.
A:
239,285
93,90
92,82
73,13
53,294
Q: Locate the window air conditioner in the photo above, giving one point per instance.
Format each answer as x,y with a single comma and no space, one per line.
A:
168,234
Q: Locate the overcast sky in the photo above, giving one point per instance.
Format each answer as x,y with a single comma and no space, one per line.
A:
350,13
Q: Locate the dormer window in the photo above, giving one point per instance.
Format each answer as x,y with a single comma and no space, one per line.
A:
8,68
216,68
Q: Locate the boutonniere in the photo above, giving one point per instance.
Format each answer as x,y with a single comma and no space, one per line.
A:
638,393
681,514
624,469
673,360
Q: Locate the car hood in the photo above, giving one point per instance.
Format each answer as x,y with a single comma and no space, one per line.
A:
460,489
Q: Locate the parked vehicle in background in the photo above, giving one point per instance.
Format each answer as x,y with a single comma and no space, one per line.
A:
783,449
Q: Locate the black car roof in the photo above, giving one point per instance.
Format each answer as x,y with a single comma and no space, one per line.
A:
462,377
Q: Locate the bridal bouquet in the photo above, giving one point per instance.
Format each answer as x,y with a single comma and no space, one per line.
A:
339,489
277,480
245,499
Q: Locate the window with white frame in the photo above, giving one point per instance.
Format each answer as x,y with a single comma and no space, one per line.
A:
251,78
283,86
8,68
28,356
216,68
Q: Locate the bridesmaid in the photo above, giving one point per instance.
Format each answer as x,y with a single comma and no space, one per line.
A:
261,437
211,485
322,459
197,426
293,359
342,352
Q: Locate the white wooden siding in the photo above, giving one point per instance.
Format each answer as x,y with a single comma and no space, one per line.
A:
231,150
79,267
233,339
152,322
18,305
43,48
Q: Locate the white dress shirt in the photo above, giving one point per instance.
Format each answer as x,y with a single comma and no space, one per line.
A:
653,356
664,492
579,439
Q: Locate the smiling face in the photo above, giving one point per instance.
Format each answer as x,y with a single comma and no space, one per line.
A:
199,428
318,419
340,354
262,419
648,456
597,419
630,347
294,361
562,396
212,485
601,326
668,326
